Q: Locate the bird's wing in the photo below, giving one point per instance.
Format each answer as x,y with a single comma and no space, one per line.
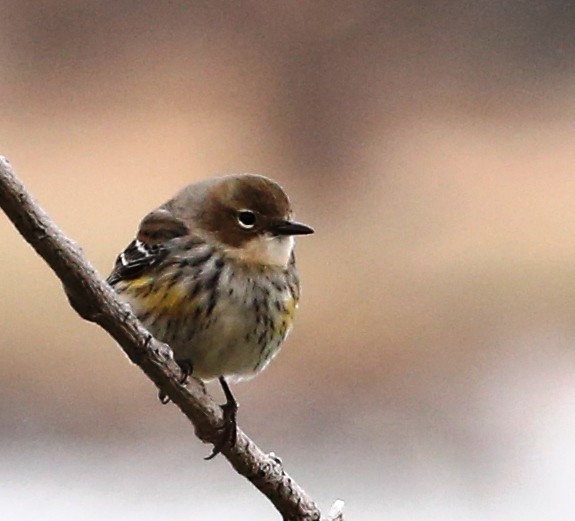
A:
150,246
135,260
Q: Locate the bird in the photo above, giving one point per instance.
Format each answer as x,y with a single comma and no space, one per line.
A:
212,273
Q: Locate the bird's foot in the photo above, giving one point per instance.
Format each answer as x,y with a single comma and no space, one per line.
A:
229,428
186,368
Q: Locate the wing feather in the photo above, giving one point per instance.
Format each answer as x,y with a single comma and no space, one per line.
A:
135,260
150,247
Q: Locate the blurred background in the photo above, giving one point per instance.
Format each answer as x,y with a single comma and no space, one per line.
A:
431,372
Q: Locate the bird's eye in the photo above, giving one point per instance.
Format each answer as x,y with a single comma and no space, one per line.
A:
247,219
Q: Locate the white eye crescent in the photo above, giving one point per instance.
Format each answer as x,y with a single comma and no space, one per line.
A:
246,219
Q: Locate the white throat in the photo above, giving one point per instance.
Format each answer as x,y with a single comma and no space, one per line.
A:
270,250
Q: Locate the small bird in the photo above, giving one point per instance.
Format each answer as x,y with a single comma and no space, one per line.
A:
212,274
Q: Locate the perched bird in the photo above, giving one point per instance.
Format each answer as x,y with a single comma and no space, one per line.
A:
212,274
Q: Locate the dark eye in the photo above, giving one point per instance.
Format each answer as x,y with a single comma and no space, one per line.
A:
247,219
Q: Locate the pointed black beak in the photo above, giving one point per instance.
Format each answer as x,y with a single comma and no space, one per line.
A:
290,228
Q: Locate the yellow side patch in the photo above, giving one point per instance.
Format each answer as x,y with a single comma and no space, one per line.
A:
164,299
283,325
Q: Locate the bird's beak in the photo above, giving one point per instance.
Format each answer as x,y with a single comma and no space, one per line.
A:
290,228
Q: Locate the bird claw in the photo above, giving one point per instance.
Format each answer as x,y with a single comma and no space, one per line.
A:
229,430
163,397
186,368
229,426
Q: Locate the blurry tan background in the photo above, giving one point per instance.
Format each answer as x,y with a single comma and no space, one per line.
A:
431,372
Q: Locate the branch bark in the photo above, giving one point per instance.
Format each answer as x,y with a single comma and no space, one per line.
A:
95,301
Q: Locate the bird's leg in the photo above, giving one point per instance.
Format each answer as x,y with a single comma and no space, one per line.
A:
186,367
230,427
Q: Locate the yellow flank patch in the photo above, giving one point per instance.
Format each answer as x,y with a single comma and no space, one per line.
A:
286,317
163,298
135,284
291,306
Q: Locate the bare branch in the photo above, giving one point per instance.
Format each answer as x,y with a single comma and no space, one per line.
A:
95,301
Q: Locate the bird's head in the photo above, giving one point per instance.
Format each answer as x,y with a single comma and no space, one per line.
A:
249,215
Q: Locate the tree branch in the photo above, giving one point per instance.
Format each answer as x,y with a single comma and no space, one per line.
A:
95,301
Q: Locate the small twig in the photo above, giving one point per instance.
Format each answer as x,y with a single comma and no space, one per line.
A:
95,301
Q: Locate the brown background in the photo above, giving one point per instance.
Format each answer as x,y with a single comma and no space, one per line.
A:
430,374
